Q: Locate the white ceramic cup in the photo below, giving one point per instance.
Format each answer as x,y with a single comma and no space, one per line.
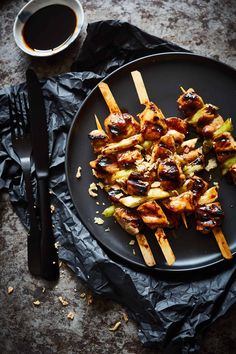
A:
29,9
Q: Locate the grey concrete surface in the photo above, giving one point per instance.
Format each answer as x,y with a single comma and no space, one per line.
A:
206,27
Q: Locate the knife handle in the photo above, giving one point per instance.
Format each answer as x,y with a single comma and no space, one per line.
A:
34,237
49,257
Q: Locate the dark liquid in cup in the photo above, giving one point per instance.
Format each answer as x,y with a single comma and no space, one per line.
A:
49,27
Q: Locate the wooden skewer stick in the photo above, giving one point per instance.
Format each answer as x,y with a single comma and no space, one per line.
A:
144,99
218,233
182,89
145,250
222,243
98,124
184,220
165,246
140,87
109,98
114,108
160,234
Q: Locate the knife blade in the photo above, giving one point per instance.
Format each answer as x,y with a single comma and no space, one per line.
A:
39,136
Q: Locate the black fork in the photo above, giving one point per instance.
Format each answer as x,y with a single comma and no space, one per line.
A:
21,144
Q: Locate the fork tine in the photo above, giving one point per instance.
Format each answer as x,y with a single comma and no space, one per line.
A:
10,103
21,115
26,108
16,117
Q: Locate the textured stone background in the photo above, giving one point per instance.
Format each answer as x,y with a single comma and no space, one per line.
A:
206,27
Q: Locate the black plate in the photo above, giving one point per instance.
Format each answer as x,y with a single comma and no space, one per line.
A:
163,75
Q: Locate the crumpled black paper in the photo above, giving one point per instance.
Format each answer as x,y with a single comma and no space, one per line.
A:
169,311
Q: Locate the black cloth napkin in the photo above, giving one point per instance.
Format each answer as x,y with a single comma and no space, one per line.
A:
171,312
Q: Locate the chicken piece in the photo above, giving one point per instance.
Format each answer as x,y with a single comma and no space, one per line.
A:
104,164
208,130
129,220
198,186
191,155
163,149
188,152
129,158
152,215
180,203
119,126
167,142
203,116
178,137
98,140
115,193
187,146
139,183
104,168
124,144
174,219
189,102
225,146
170,174
178,124
208,216
152,122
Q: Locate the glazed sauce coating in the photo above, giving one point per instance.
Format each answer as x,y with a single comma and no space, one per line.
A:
49,27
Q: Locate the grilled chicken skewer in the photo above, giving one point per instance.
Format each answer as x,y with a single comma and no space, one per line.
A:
184,202
212,126
209,124
202,200
121,129
173,131
154,217
152,121
152,127
130,221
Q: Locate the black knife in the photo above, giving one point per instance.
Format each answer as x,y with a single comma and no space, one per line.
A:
39,136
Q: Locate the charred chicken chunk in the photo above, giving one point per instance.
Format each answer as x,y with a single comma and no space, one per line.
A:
225,146
152,122
115,193
178,124
198,186
177,136
153,215
170,174
129,158
104,168
191,155
180,203
98,139
129,220
208,130
167,142
104,164
208,216
159,152
204,116
139,183
119,126
189,102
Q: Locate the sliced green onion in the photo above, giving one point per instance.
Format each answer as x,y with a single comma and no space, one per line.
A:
227,126
228,163
109,211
